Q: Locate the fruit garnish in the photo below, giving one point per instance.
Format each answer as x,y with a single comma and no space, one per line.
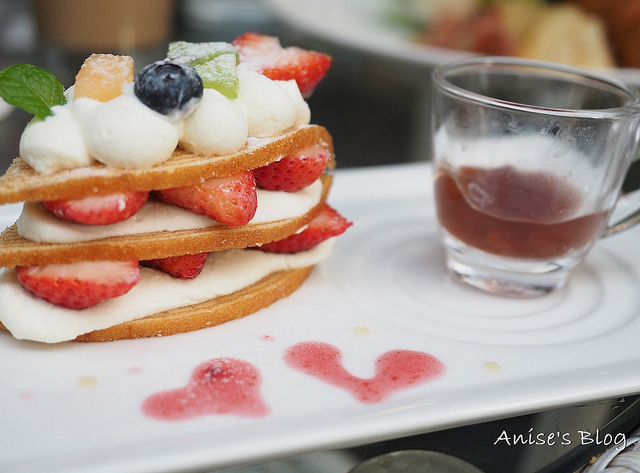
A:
181,267
79,285
328,223
31,88
199,53
265,54
98,210
169,88
102,76
293,172
215,62
230,200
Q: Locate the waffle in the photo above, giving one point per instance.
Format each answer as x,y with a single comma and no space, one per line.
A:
21,183
16,250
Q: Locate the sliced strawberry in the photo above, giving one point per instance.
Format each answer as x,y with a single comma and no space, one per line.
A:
328,223
79,285
230,200
182,267
98,210
293,172
266,55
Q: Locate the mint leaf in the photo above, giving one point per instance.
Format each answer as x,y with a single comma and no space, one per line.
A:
31,88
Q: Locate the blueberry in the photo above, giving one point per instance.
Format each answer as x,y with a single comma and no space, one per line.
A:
169,88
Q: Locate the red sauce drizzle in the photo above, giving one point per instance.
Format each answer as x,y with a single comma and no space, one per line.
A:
218,386
395,370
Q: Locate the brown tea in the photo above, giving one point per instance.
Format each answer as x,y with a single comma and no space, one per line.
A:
509,212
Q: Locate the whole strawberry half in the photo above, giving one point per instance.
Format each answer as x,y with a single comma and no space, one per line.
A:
230,200
79,285
98,210
265,54
293,172
181,267
328,223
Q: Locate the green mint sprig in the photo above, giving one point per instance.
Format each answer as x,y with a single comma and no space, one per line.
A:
31,88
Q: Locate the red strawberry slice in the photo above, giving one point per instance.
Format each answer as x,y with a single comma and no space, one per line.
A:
98,210
230,200
293,172
266,55
328,223
79,285
181,267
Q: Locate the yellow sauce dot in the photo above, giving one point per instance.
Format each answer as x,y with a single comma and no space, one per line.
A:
491,366
361,330
87,381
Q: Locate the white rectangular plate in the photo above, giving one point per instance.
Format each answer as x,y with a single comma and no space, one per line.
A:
79,407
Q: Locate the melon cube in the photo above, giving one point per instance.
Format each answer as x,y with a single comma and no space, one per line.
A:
102,76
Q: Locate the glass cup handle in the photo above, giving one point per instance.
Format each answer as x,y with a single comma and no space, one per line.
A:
626,214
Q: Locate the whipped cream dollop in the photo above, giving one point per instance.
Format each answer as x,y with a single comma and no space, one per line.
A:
270,106
55,143
217,125
37,224
124,132
225,272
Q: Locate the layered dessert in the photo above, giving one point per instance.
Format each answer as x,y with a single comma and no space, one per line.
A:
189,194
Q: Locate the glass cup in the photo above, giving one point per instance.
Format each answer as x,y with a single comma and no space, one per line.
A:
528,160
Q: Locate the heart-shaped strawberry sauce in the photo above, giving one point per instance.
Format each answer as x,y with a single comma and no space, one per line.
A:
218,386
395,370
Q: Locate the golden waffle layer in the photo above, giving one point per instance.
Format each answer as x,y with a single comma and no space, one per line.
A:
21,183
18,251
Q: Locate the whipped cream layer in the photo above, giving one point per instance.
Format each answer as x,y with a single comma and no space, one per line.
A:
124,132
37,224
30,318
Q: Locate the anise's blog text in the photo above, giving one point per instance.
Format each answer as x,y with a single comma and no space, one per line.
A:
580,437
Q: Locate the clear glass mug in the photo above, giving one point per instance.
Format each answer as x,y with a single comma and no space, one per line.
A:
528,160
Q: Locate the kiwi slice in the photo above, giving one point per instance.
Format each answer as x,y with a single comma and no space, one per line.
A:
216,62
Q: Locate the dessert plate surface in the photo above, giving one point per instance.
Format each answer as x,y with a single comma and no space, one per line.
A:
245,391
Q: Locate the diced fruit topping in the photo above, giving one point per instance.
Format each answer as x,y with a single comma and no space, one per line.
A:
266,55
169,88
328,223
182,267
215,62
98,210
79,285
295,171
231,200
199,53
102,76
